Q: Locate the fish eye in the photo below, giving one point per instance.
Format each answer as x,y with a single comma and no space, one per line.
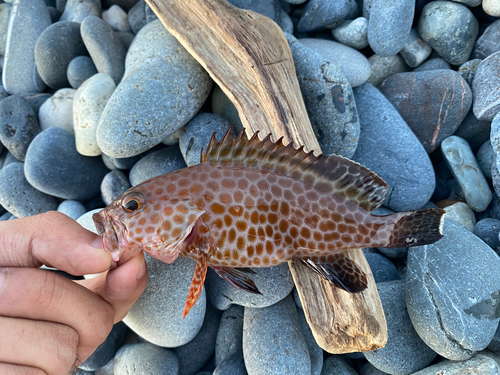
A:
132,203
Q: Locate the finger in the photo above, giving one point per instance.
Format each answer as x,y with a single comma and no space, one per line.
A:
43,295
122,286
48,346
53,239
10,369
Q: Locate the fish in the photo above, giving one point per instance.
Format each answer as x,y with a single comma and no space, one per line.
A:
254,203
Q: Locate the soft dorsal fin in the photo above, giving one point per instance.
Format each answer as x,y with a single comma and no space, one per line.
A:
329,174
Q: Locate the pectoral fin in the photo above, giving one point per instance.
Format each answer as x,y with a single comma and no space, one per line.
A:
237,278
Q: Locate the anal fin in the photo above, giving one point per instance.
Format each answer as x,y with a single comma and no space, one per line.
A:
343,272
237,278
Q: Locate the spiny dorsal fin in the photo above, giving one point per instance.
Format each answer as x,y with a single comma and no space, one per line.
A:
329,174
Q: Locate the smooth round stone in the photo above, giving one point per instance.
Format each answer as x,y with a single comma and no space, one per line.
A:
107,369
234,365
452,290
268,8
479,364
9,158
466,171
162,89
384,132
137,17
450,29
369,369
114,184
285,22
415,51
145,358
491,7
495,178
494,345
20,198
390,25
54,167
105,49
36,100
117,18
337,365
157,314
352,63
433,103
382,67
59,43
329,101
57,111
486,88
78,10
382,268
488,42
28,20
323,14
80,69
106,351
461,214
156,163
126,38
273,342
468,70
150,15
203,344
196,135
315,351
230,334
88,104
222,106
474,131
275,283
352,33
72,208
485,158
433,64
4,23
54,14
488,229
18,125
124,163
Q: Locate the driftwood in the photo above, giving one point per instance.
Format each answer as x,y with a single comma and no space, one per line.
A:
248,56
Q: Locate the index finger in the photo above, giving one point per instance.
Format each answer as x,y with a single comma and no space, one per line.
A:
55,240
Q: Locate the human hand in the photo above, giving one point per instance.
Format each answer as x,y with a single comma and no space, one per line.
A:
50,324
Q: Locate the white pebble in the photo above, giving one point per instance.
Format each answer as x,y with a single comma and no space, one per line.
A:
117,18
58,110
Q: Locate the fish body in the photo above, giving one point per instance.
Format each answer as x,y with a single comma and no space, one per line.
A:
252,203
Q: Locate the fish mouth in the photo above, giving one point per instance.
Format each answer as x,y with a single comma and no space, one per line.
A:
114,235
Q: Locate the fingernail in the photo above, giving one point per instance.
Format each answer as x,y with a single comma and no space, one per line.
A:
97,243
142,269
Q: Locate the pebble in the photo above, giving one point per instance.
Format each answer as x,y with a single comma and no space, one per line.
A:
352,33
17,195
433,103
9,158
486,88
117,18
105,48
124,163
474,131
126,38
452,287
88,104
124,4
150,15
468,70
491,7
156,63
466,171
157,314
36,100
72,208
382,268
488,229
156,163
329,101
78,10
415,51
488,42
268,8
337,365
383,67
485,158
450,29
57,111
461,214
494,345
18,125
145,358
196,135
27,21
323,14
285,22
273,342
137,16
384,132
222,106
107,369
80,69
369,369
433,64
114,184
479,364
315,351
4,23
275,283
234,365
54,14
230,334
54,167
59,43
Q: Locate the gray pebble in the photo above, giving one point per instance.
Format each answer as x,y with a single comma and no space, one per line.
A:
474,131
4,23
352,33
233,365
485,158
145,359
486,88
315,351
415,51
125,38
222,106
268,8
114,184
9,158
150,15
78,10
323,14
79,70
337,365
117,18
285,22
383,67
479,364
124,163
433,64
72,208
369,369
468,70
494,344
54,14
382,268
137,16
488,229
36,100
488,42
107,369
230,334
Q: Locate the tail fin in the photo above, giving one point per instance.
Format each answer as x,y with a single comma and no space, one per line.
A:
421,227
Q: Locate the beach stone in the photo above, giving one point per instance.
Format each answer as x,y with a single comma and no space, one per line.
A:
57,111
54,167
234,365
323,14
285,22
352,63
486,158
157,314
275,283
474,131
488,229
382,268
36,100
71,208
196,135
383,132
461,214
337,365
383,67
273,342
124,163
156,163
222,106
491,7
150,15
466,171
79,70
352,33
433,103
137,16
433,64
9,158
107,369
229,335
452,293
18,125
27,21
54,14
4,23
88,104
145,359
495,177
494,345
486,88
126,38
114,184
468,70
488,42
105,49
78,10
124,4
58,44
479,364
17,195
163,88
415,51
117,18
450,29
268,8
390,25
203,344
315,351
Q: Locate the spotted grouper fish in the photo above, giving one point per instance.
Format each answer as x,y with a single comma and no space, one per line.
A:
252,203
